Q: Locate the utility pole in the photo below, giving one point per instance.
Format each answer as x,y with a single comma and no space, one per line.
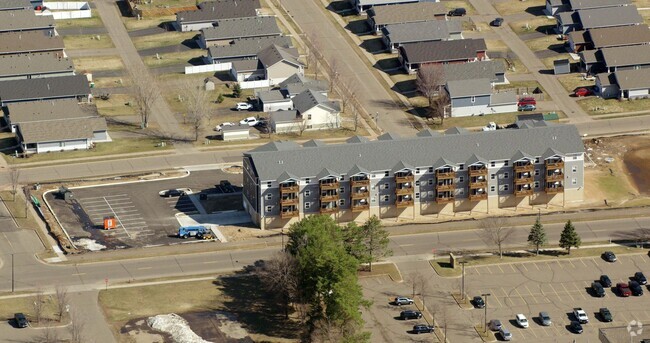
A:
462,283
12,273
282,235
485,295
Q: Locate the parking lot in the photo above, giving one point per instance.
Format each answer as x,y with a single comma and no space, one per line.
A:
142,216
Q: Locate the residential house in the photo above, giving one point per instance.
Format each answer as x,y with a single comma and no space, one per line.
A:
361,6
413,55
554,7
279,63
493,70
579,40
60,125
597,18
34,65
380,16
298,83
591,61
626,57
25,20
624,84
245,48
606,86
225,31
317,111
51,88
619,36
31,42
414,178
474,97
285,121
247,70
395,35
15,5
273,100
212,11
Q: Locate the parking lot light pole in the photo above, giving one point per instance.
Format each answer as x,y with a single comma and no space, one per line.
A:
485,295
462,283
12,273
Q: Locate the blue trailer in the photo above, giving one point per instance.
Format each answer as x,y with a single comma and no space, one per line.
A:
197,231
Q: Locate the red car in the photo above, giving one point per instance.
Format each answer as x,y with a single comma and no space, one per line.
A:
623,289
526,101
583,92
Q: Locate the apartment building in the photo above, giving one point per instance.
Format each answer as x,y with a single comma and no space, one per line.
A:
429,175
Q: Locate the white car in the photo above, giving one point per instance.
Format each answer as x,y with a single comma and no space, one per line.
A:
521,320
581,315
251,121
220,126
492,126
243,106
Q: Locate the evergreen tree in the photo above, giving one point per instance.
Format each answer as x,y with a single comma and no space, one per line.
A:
236,91
569,237
537,236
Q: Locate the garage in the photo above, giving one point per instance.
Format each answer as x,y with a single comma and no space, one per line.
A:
274,100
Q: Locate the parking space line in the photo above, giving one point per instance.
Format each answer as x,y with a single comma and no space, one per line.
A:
535,264
105,196
622,314
476,270
548,265
496,297
567,292
520,296
499,266
581,292
523,265
488,270
571,263
118,219
583,263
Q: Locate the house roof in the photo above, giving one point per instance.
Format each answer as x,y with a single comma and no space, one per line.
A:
561,62
611,16
579,37
30,41
60,130
406,13
24,20
284,116
556,3
273,54
241,28
633,79
246,47
587,4
271,96
214,10
415,151
35,63
309,99
503,98
246,65
14,5
619,36
47,110
45,88
465,88
438,51
421,31
606,79
589,56
626,55
474,70
234,128
296,84
566,18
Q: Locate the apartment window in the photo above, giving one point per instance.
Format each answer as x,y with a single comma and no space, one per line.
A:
307,205
385,198
269,184
386,173
461,179
574,181
536,172
307,193
574,169
461,166
492,176
417,183
505,187
430,182
506,175
492,164
269,208
505,163
417,195
492,188
342,202
472,99
417,170
269,196
385,186
309,117
342,190
307,181
536,184
430,169
536,159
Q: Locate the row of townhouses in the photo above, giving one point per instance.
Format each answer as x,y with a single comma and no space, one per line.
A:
431,174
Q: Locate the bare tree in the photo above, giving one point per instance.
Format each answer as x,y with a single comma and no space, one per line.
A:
419,283
198,107
496,231
49,335
14,175
313,58
76,327
429,82
334,73
302,126
280,276
144,95
439,106
38,305
28,199
61,298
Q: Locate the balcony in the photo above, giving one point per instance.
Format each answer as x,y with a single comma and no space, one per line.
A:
445,174
288,201
445,200
478,197
289,189
289,214
555,190
329,185
360,194
523,192
524,167
404,190
404,203
445,187
360,207
523,180
329,197
360,183
478,184
555,164
555,177
478,172
325,210
404,179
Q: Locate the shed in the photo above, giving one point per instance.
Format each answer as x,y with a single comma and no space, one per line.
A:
209,84
235,132
562,66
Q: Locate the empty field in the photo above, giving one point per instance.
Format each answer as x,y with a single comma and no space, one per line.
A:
88,42
98,63
162,39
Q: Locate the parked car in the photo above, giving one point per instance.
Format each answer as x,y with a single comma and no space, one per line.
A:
639,277
605,314
605,281
527,108
495,325
581,315
635,288
583,92
478,302
410,314
422,328
21,320
403,301
575,327
251,121
623,289
609,256
505,334
598,289
545,319
243,106
491,126
221,126
496,22
457,12
169,193
521,320
528,100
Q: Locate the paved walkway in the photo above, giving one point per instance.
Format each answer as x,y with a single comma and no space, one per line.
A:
95,328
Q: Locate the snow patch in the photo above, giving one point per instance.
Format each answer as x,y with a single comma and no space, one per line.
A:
230,327
89,244
176,326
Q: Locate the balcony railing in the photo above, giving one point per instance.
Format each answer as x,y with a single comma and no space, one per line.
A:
478,184
555,177
446,187
329,197
329,185
360,194
445,174
404,179
329,210
289,189
523,180
555,190
478,172
289,214
360,207
523,167
360,183
404,190
404,203
523,192
289,201
478,197
554,164
444,200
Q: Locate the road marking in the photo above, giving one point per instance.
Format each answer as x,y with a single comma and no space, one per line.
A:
118,219
142,268
105,196
477,272
567,291
488,270
583,263
580,291
499,266
520,296
78,274
535,264
496,298
571,263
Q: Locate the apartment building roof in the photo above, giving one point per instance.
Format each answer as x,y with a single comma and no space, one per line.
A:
241,28
24,20
619,36
633,79
30,41
8,5
34,63
47,110
588,4
440,51
60,130
611,16
421,31
273,159
51,87
406,13
222,9
246,47
626,55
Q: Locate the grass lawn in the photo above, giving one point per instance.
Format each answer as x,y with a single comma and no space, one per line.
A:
451,4
531,85
17,209
596,106
544,43
113,81
161,39
133,24
172,58
26,305
93,21
519,26
646,15
496,45
573,81
613,188
519,68
548,62
116,105
480,121
514,7
88,42
98,63
641,3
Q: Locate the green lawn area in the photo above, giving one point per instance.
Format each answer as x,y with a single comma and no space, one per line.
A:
513,7
93,21
573,81
162,39
480,121
133,24
496,45
116,105
97,63
26,305
596,106
172,58
17,209
612,187
88,42
530,85
112,81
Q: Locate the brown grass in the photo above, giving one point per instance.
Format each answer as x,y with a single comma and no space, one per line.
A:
97,63
514,7
596,106
88,42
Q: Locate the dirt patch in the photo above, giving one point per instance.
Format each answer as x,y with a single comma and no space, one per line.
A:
637,162
234,170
